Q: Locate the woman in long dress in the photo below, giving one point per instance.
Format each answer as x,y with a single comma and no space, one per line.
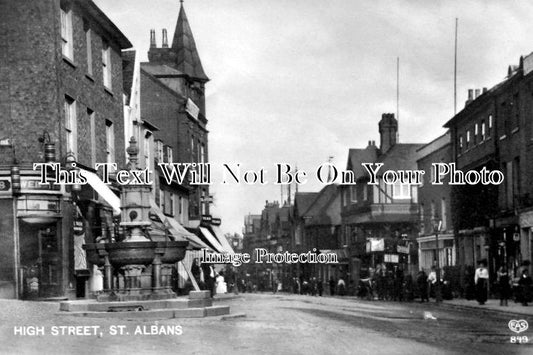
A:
221,284
481,279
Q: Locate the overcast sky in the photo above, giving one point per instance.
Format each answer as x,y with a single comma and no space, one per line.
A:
301,80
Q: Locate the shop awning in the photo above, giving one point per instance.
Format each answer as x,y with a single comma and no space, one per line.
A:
212,240
103,190
176,229
222,239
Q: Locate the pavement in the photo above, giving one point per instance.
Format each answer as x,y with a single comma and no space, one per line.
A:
272,324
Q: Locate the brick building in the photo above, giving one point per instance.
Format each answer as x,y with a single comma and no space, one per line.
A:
494,131
61,93
435,208
173,100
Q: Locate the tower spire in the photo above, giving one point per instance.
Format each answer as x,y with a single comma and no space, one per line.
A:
183,44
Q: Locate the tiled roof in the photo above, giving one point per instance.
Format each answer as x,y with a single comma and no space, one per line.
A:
303,200
356,157
400,157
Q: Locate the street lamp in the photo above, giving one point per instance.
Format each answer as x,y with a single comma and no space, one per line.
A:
437,225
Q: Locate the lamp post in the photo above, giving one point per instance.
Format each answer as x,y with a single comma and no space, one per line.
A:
437,225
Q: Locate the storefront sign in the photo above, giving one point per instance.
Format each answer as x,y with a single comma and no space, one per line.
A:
192,109
32,184
375,245
402,249
5,185
391,258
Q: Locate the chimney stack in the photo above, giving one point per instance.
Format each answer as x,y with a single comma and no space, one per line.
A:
152,39
477,93
388,129
165,38
470,96
485,90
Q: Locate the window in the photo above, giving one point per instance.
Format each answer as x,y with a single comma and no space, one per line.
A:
180,205
490,124
159,151
467,139
106,64
66,33
202,153
70,125
192,148
483,132
365,192
203,203
110,141
88,44
354,193
476,132
169,154
401,191
92,127
460,143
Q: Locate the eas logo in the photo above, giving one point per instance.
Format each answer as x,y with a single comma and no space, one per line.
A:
518,326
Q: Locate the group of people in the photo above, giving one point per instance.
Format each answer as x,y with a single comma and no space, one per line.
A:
208,279
521,286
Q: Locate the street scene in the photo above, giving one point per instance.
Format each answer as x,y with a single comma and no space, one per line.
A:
266,177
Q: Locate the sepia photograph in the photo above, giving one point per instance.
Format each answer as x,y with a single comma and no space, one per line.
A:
266,177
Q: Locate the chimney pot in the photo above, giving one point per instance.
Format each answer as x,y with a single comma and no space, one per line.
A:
153,44
485,90
165,38
477,93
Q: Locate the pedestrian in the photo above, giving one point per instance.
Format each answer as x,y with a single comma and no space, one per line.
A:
524,284
422,283
481,279
432,281
332,286
341,287
504,285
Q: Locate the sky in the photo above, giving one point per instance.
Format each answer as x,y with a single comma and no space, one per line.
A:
303,80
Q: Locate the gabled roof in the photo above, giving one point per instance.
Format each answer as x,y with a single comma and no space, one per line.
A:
303,200
183,44
318,211
356,157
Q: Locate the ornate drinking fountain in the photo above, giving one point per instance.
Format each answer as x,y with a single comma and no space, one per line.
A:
142,251
137,251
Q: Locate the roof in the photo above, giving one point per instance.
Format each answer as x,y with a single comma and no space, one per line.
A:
101,18
318,211
400,157
303,200
183,44
356,157
159,70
